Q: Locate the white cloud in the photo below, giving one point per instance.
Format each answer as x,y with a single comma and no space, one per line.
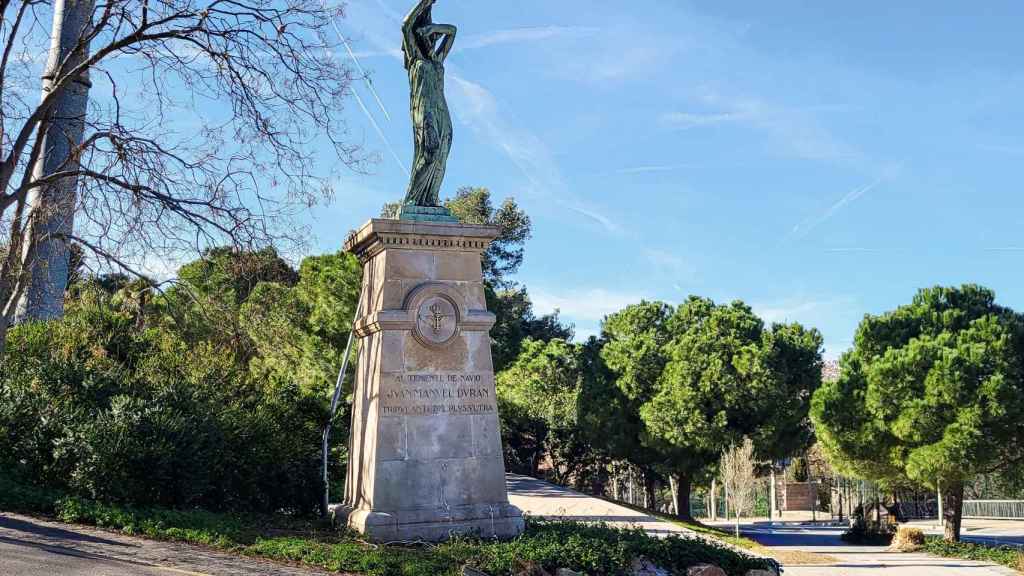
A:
687,120
795,132
582,305
477,107
669,262
652,168
622,52
498,38
856,250
808,312
519,35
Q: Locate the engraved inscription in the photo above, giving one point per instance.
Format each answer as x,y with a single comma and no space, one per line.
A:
454,394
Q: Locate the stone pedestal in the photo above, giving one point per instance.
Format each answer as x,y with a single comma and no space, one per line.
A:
425,455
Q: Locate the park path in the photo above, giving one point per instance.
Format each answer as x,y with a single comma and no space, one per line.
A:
839,559
32,547
542,499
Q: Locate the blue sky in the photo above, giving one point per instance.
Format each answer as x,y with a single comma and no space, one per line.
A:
818,160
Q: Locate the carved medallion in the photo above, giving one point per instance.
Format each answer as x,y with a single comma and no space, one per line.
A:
437,320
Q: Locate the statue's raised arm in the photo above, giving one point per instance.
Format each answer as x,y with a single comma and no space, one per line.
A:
434,31
411,44
426,45
420,35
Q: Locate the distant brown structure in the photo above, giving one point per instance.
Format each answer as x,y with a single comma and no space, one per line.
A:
830,371
799,496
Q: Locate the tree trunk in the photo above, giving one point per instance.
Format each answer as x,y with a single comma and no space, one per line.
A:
3,335
649,503
954,510
726,490
673,488
681,495
616,495
897,512
714,499
771,495
53,206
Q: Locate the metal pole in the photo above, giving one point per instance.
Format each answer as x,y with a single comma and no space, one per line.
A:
335,400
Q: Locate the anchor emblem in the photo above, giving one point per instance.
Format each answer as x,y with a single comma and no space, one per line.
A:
436,318
436,321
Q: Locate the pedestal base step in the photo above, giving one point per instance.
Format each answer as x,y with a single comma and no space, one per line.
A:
501,521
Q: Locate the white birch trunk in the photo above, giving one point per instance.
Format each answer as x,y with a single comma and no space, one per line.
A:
53,207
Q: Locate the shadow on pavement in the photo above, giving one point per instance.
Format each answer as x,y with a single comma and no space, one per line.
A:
793,536
27,527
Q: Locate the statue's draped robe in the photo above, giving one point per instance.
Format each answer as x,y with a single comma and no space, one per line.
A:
432,131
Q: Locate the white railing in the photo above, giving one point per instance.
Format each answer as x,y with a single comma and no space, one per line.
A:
994,509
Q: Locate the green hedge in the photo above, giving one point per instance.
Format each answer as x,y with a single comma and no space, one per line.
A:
592,549
1005,555
97,406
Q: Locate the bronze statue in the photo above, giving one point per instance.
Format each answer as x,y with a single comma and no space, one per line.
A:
426,45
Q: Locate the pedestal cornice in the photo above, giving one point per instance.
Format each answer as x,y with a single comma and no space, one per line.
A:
379,234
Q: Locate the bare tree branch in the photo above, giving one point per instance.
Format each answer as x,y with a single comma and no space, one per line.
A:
216,123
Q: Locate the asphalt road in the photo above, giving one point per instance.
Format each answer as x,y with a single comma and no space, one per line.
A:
31,547
847,560
991,532
27,549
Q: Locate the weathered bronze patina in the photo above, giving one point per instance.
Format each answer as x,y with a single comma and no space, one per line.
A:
426,45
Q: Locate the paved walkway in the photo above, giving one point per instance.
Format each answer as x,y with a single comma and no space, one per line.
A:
861,560
31,547
538,498
991,532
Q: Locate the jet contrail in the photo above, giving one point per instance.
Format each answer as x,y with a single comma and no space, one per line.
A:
380,133
359,66
362,104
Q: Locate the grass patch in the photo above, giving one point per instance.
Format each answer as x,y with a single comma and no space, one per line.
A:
727,536
592,549
1005,555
